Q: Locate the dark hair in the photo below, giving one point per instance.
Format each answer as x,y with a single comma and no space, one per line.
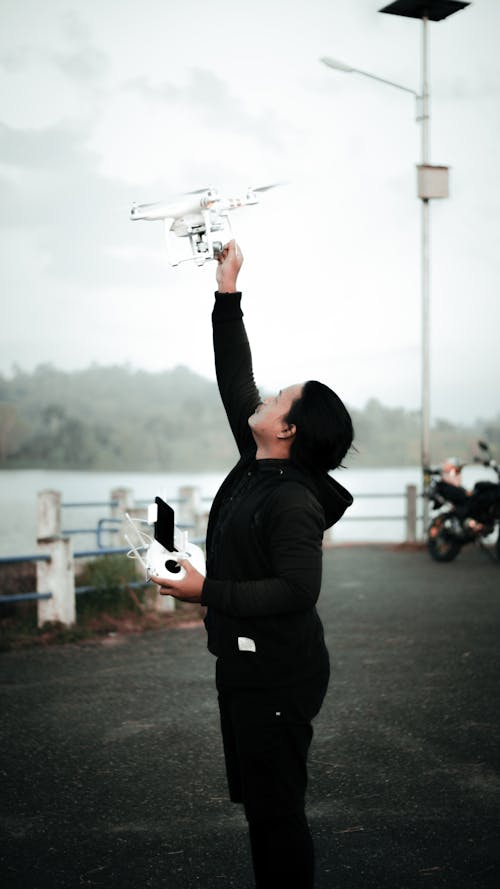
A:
324,428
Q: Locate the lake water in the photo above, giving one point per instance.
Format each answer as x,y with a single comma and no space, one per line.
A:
19,488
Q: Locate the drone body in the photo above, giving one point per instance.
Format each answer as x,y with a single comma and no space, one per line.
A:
196,216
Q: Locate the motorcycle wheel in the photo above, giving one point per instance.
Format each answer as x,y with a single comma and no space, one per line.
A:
441,546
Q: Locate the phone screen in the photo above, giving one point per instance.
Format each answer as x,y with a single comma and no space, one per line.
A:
164,525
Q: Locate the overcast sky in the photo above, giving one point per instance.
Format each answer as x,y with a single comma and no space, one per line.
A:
106,103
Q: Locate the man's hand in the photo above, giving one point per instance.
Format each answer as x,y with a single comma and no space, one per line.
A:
229,262
188,589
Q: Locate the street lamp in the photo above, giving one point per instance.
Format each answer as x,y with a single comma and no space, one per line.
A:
432,182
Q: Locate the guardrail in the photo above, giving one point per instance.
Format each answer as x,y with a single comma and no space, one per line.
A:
55,560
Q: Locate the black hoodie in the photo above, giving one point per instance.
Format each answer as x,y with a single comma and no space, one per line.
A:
264,540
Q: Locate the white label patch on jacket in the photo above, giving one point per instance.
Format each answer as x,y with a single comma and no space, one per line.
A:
245,644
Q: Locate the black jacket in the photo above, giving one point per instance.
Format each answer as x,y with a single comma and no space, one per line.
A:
264,540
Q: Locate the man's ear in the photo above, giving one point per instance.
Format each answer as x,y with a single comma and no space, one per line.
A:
287,431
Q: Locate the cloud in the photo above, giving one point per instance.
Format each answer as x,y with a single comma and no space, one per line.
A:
211,99
59,193
56,148
82,61
86,63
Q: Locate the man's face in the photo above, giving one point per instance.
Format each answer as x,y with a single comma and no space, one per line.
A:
268,419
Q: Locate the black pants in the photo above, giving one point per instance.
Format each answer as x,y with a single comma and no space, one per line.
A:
266,735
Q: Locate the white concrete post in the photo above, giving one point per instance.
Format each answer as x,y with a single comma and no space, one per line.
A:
48,514
57,575
123,498
160,603
411,513
188,511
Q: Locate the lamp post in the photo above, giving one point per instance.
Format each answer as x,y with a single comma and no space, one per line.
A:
432,183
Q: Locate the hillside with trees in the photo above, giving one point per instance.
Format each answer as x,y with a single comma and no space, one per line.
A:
116,418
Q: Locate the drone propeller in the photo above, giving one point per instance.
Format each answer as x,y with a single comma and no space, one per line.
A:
252,188
267,187
200,190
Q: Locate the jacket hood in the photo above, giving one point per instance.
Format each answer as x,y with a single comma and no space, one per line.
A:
333,497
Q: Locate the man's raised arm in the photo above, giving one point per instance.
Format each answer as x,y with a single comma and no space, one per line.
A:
233,360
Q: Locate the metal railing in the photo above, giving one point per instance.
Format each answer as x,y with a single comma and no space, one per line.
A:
56,589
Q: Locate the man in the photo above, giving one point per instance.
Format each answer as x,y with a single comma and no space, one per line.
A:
264,553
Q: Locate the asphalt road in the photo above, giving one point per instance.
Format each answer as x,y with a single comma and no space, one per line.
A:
112,772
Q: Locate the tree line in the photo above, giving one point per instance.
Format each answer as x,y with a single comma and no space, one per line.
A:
116,418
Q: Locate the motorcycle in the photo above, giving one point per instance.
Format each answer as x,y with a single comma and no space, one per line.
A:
463,516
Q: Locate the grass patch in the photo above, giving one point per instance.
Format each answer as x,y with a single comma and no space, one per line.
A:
110,576
111,607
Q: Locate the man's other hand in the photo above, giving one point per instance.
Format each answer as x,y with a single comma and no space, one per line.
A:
188,589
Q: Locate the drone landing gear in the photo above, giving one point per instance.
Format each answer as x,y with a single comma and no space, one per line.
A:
200,236
203,249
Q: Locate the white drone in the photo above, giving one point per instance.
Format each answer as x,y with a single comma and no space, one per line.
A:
197,215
